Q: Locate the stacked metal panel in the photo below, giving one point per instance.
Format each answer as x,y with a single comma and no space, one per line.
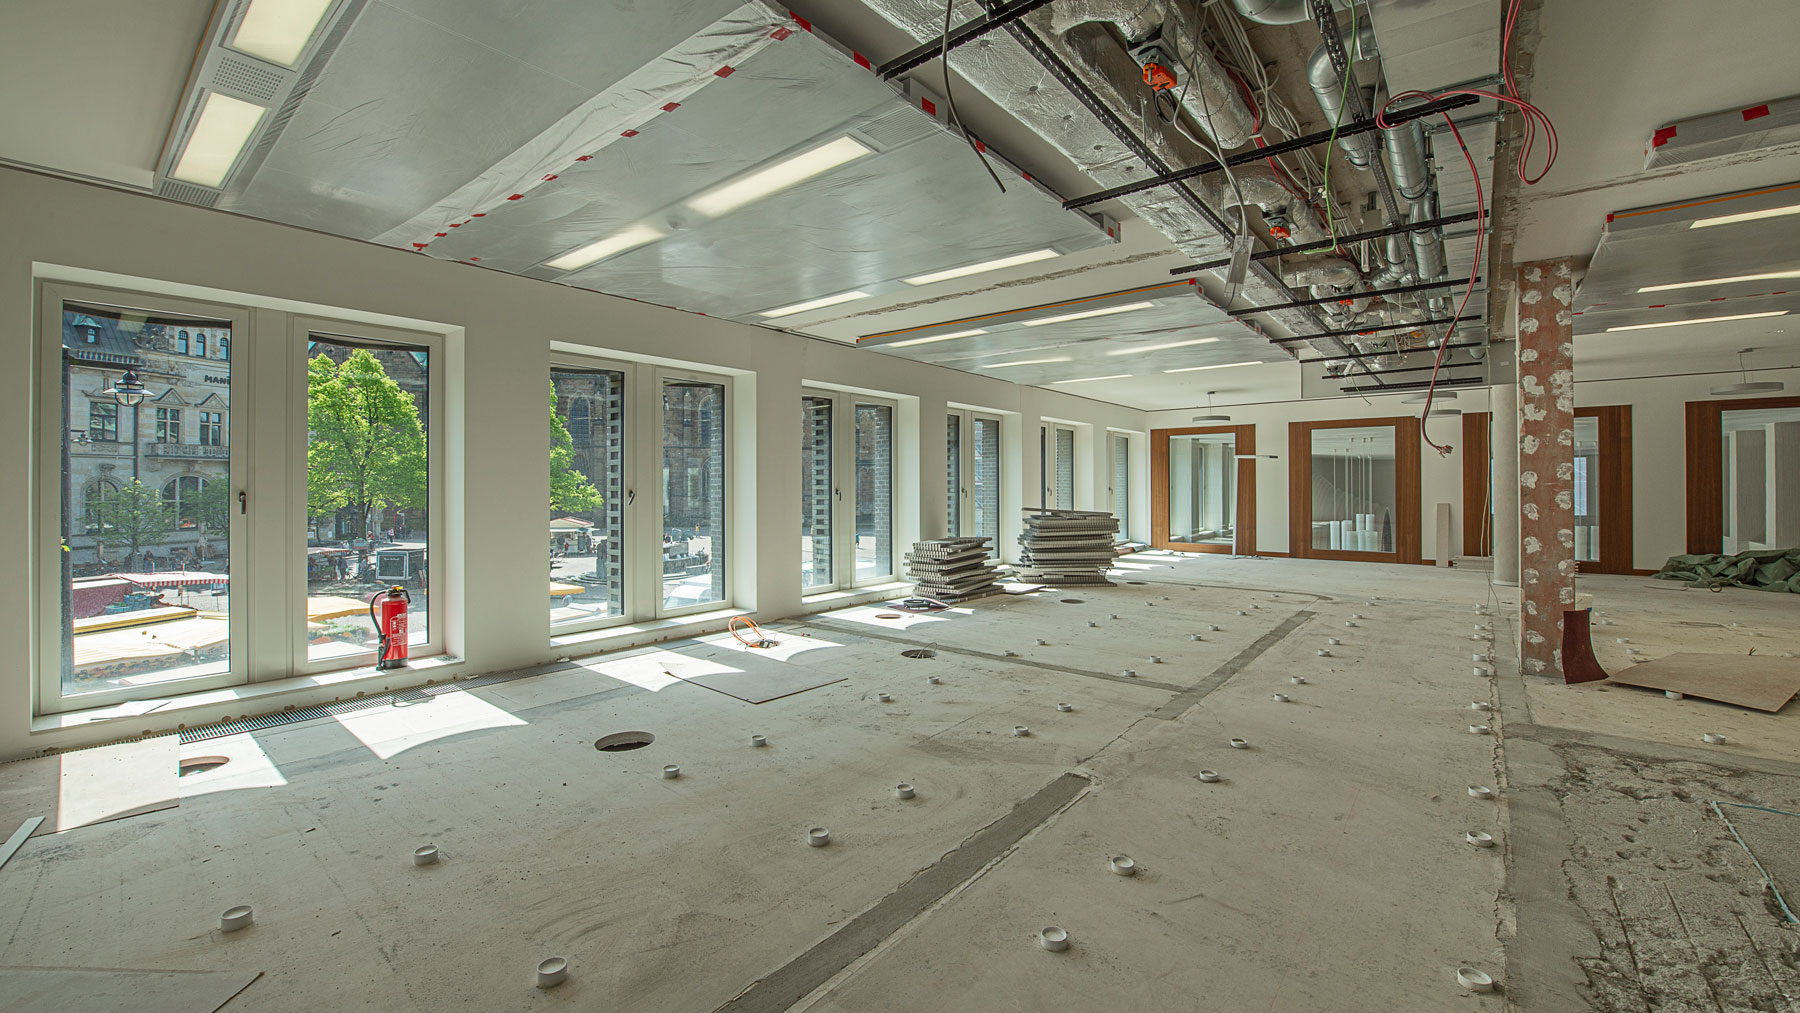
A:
1067,548
953,569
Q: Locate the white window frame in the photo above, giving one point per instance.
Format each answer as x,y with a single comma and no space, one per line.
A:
1047,432
843,492
442,565
1118,448
965,494
49,429
635,601
649,479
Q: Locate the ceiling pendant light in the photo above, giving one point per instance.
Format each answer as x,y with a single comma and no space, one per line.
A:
1210,415
1748,386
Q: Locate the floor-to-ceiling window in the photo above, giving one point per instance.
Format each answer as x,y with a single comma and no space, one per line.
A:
874,491
693,492
816,492
847,490
587,493
1056,463
1199,489
975,470
1119,484
953,474
1586,489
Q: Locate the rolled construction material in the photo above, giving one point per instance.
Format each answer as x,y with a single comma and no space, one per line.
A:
818,837
1473,980
552,972
1298,680
425,855
1155,659
236,918
1122,865
1212,628
1129,673
903,790
1333,641
1053,939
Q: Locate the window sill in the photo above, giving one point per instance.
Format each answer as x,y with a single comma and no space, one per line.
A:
613,638
205,706
853,596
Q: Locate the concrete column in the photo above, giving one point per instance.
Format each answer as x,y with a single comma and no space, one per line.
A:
1504,411
1546,461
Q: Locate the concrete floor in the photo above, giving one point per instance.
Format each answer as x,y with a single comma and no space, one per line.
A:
1326,871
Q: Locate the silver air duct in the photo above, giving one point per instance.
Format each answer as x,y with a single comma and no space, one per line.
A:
1328,90
1274,12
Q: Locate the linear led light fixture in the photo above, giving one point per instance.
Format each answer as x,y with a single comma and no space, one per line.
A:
278,30
1134,349
1770,276
1222,365
937,337
1699,320
783,174
224,126
1026,362
1085,314
1090,379
1744,216
617,243
814,304
987,265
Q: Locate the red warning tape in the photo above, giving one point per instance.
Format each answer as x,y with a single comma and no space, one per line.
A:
1756,112
1662,136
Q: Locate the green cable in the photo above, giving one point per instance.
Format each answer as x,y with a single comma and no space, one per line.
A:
1331,144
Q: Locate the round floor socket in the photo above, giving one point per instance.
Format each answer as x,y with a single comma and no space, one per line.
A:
1212,629
426,854
1324,653
1112,615
1479,729
1092,624
1012,654
236,918
1480,839
1053,939
903,790
1240,744
1333,641
552,972
1713,739
1478,657
1479,672
933,680
818,837
671,771
1480,791
1621,640
1209,776
1020,731
1241,612
1065,707
1122,865
1195,636
1043,643
1281,698
1357,615
1473,980
1155,659
1298,680
759,740
884,697
1480,705
1350,622
1129,673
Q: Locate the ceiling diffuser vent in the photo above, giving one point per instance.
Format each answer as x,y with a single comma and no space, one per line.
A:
246,79
187,193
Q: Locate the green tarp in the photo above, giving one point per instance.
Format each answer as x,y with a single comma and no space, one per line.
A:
1763,569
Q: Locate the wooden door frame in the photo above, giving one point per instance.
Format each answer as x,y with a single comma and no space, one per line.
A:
1245,519
1615,486
1407,492
1706,466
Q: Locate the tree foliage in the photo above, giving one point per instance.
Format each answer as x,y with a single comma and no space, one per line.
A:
211,506
570,490
366,448
132,517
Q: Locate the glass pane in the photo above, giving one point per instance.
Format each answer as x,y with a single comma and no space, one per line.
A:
587,494
1203,488
146,502
815,491
1121,484
1065,469
874,491
1761,479
1587,489
953,474
693,493
1353,489
369,526
987,483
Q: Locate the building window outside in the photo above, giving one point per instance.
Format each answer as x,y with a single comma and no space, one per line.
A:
200,344
816,492
224,348
184,498
181,342
103,421
874,491
953,473
212,429
587,494
168,425
693,501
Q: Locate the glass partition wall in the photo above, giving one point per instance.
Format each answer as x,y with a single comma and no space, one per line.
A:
1199,489
1587,489
1760,478
1353,489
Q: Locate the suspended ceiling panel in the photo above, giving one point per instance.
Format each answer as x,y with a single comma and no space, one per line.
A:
511,138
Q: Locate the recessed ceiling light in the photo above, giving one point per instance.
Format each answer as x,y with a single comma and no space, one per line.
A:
278,30
1745,216
1134,349
1222,365
1107,311
618,242
780,176
814,304
1027,362
1090,379
224,127
987,265
936,337
1700,320
1770,276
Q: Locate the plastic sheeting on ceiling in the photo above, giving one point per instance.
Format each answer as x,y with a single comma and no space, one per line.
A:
510,138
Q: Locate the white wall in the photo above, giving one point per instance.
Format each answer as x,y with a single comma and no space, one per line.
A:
507,324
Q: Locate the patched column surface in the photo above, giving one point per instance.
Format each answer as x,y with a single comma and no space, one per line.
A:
1546,462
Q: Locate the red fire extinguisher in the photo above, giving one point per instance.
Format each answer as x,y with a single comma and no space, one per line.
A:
387,610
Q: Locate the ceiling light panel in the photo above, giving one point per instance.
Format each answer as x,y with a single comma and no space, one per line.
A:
936,338
1026,362
1746,216
814,304
1697,320
1709,282
618,242
1221,365
278,30
1091,379
223,128
1137,349
983,267
783,174
1105,311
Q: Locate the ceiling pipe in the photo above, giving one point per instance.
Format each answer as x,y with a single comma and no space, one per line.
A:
1328,90
1273,12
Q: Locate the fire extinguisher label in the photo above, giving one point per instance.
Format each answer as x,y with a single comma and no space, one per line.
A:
396,634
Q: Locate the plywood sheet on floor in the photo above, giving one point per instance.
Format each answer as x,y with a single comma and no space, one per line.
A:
118,990
90,786
746,674
1744,680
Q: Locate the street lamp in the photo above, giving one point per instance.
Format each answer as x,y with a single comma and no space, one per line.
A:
128,390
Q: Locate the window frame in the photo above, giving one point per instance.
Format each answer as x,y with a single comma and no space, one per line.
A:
1049,454
656,378
1244,512
1118,453
46,521
1407,491
634,599
1705,431
965,497
843,471
442,565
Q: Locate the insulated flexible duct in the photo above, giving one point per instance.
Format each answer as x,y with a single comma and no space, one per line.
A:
1328,90
1273,12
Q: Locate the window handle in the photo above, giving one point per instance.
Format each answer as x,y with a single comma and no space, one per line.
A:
630,496
243,502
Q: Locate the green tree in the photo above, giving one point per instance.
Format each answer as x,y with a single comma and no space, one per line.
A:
212,508
570,490
366,448
134,517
